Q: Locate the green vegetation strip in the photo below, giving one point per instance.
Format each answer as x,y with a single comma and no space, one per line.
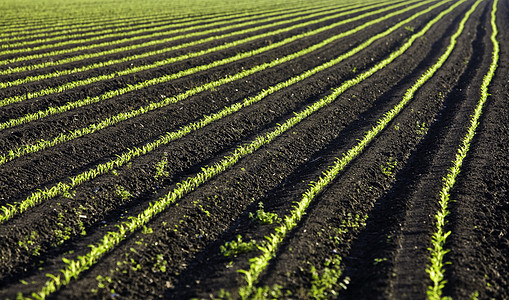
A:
108,95
74,84
436,269
123,49
61,188
259,263
113,238
161,32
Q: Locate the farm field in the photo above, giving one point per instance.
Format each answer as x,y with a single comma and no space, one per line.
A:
209,149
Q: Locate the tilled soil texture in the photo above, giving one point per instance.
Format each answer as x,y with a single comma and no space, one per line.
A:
308,163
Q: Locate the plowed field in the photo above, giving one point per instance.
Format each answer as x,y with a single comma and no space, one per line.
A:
254,149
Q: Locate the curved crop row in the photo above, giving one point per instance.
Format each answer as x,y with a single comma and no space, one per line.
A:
438,251
90,100
111,239
35,198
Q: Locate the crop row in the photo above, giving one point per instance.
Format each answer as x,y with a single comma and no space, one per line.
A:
438,250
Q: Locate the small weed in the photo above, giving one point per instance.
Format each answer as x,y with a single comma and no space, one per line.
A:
236,247
122,192
103,281
147,230
388,168
352,222
161,167
421,128
160,265
410,28
263,217
326,285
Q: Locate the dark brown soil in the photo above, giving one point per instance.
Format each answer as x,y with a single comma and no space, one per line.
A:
178,254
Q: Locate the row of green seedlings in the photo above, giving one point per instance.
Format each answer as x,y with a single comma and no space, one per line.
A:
159,263
258,264
131,70
157,38
11,210
113,51
327,281
438,251
111,239
71,222
64,137
128,26
252,100
143,33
